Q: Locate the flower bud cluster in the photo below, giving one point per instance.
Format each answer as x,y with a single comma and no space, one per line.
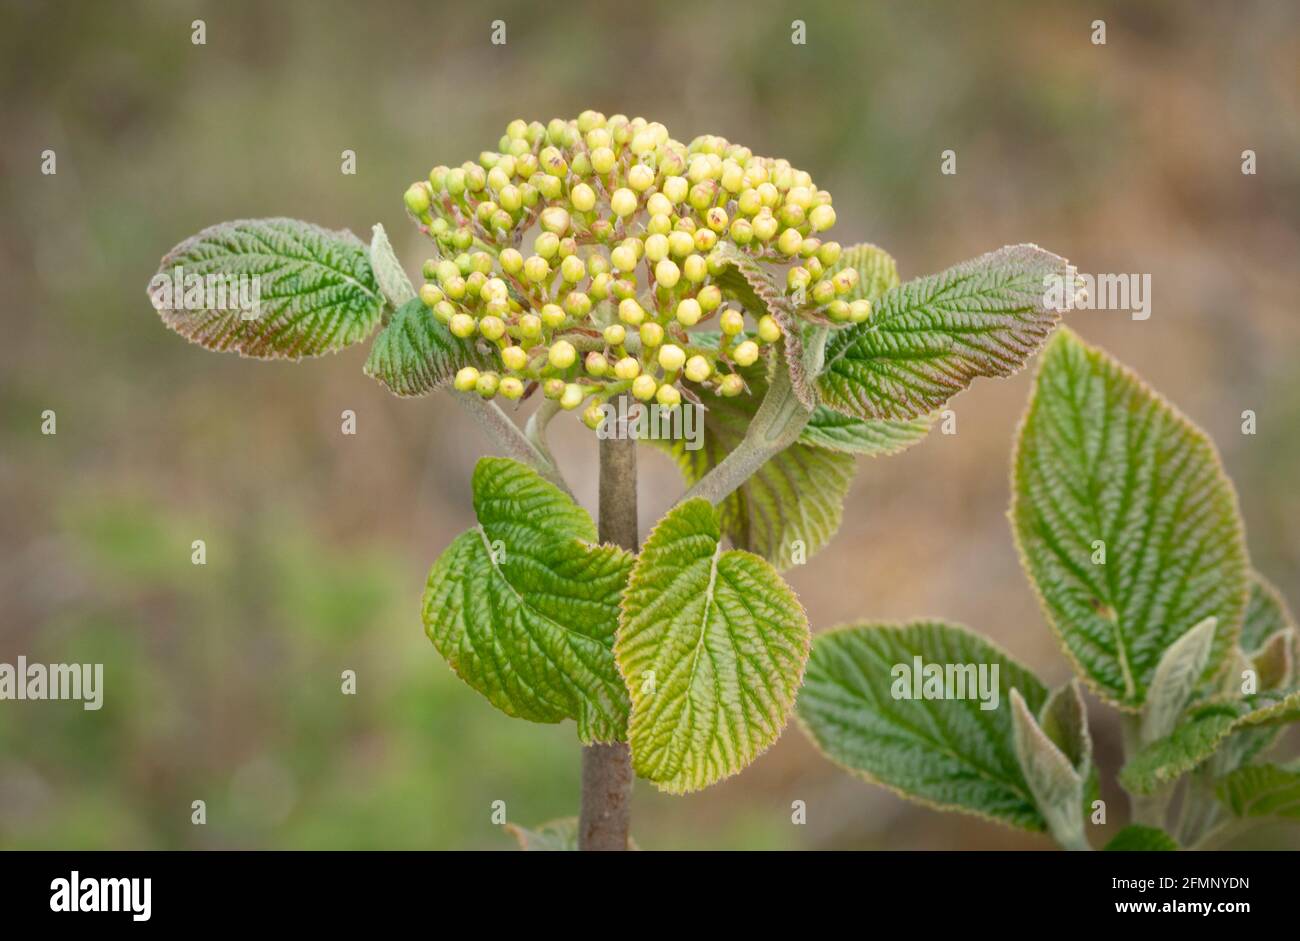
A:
586,251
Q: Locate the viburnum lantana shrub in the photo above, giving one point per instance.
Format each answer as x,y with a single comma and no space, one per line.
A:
1129,532
594,263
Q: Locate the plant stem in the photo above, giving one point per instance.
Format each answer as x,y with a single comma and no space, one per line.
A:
604,818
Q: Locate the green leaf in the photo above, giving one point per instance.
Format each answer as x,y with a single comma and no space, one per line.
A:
416,353
713,646
945,753
554,835
1266,614
1137,838
930,338
316,292
829,429
1261,791
389,274
796,496
524,606
1054,781
1203,732
1103,464
1177,676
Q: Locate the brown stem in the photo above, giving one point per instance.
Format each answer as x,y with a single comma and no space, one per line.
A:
607,769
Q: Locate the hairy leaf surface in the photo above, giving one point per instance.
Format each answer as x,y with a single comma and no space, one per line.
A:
946,753
1138,838
416,353
930,338
1261,791
1103,464
524,606
318,293
713,646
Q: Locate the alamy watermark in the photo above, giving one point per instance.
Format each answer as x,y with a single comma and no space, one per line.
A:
654,422
27,681
921,680
176,290
1075,291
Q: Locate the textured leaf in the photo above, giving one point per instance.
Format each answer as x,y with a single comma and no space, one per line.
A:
1175,680
947,753
930,338
318,293
829,429
1137,838
1266,614
1205,729
416,353
713,646
1056,785
1064,720
1101,457
524,607
390,276
1261,791
796,495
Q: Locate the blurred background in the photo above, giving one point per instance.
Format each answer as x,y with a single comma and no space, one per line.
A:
223,681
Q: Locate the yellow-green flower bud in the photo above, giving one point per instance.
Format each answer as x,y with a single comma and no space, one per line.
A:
640,177
430,295
769,331
710,298
688,312
444,311
643,387
466,379
487,384
695,268
510,387
630,312
823,292
838,311
860,310
829,253
553,316
680,244
789,242
514,358
593,415
561,354
603,160
731,322
555,219
746,353
765,228
537,269
731,385
667,273
418,198
572,396
615,334
596,364
676,188
651,334
656,248
493,328
659,205
553,388
623,202
577,304
668,396
671,356
627,368
463,326
511,261
583,198
716,219
624,258
573,269
530,326
698,368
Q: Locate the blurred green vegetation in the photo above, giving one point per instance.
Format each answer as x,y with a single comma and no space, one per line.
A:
223,680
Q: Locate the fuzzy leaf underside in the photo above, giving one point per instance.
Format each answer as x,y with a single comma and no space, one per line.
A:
416,353
389,274
930,338
1101,456
318,293
948,753
837,432
798,495
524,606
1204,731
1261,791
1138,838
712,645
1266,615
